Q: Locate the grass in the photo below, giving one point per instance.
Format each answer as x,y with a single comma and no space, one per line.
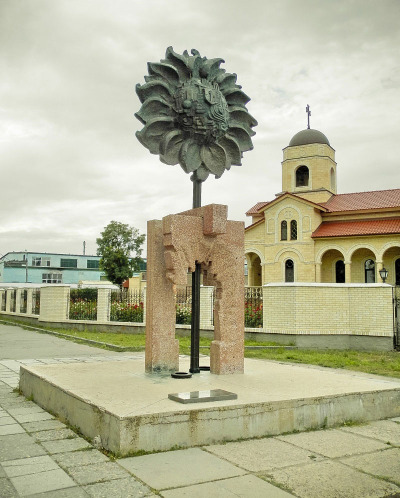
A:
386,363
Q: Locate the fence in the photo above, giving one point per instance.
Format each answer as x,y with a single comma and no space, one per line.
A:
253,307
127,306
83,304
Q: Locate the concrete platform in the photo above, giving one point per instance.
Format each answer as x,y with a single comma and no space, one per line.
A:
130,410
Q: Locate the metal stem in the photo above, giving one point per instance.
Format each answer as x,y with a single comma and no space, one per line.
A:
195,324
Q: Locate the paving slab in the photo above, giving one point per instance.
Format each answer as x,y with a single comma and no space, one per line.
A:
331,479
262,454
33,417
19,446
43,425
25,466
6,420
54,434
79,458
118,488
385,430
64,445
11,429
179,468
7,489
51,480
248,486
97,472
63,493
383,464
333,443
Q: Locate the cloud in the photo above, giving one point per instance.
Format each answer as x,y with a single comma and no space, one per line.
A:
70,162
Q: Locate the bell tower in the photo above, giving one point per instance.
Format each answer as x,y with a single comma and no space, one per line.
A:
308,166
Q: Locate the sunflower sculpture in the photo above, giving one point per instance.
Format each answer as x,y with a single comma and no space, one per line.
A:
194,114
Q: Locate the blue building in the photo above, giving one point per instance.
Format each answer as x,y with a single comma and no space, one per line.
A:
49,268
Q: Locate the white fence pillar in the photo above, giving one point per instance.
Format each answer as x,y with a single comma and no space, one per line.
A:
54,303
103,305
18,300
8,300
29,301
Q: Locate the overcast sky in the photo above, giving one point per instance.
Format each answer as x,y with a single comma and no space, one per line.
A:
69,159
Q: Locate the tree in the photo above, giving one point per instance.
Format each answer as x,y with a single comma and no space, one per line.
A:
115,247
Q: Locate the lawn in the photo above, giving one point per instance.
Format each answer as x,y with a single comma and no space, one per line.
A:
380,363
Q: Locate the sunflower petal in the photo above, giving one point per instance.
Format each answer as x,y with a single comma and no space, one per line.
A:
214,159
170,147
232,150
236,97
210,68
242,137
152,108
227,81
180,62
151,134
189,157
166,71
154,88
240,116
201,174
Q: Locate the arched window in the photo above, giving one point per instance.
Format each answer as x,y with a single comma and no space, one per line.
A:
340,272
289,271
369,267
333,182
302,176
293,230
284,230
397,271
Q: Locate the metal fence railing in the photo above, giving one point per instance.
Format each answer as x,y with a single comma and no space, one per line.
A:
36,302
253,307
184,305
127,306
24,301
83,304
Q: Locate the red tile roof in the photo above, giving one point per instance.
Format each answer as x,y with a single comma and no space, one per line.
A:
360,227
377,199
256,208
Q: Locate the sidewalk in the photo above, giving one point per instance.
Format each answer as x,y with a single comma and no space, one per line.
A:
41,457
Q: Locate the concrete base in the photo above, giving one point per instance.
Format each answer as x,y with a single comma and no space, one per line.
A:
130,410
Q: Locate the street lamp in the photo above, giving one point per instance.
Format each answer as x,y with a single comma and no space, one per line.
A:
383,273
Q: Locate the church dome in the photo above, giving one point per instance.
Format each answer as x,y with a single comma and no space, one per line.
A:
308,136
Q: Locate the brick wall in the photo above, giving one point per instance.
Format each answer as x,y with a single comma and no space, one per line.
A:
308,308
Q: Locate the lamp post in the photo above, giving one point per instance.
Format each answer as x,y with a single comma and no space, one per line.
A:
384,274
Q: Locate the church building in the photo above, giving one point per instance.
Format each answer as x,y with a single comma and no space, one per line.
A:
310,233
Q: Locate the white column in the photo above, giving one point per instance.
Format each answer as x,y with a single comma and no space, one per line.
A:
29,302
54,303
18,301
347,272
103,305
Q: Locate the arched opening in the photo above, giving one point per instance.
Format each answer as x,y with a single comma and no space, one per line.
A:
332,267
302,176
358,260
333,180
284,230
369,267
391,261
340,272
289,270
254,277
293,230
